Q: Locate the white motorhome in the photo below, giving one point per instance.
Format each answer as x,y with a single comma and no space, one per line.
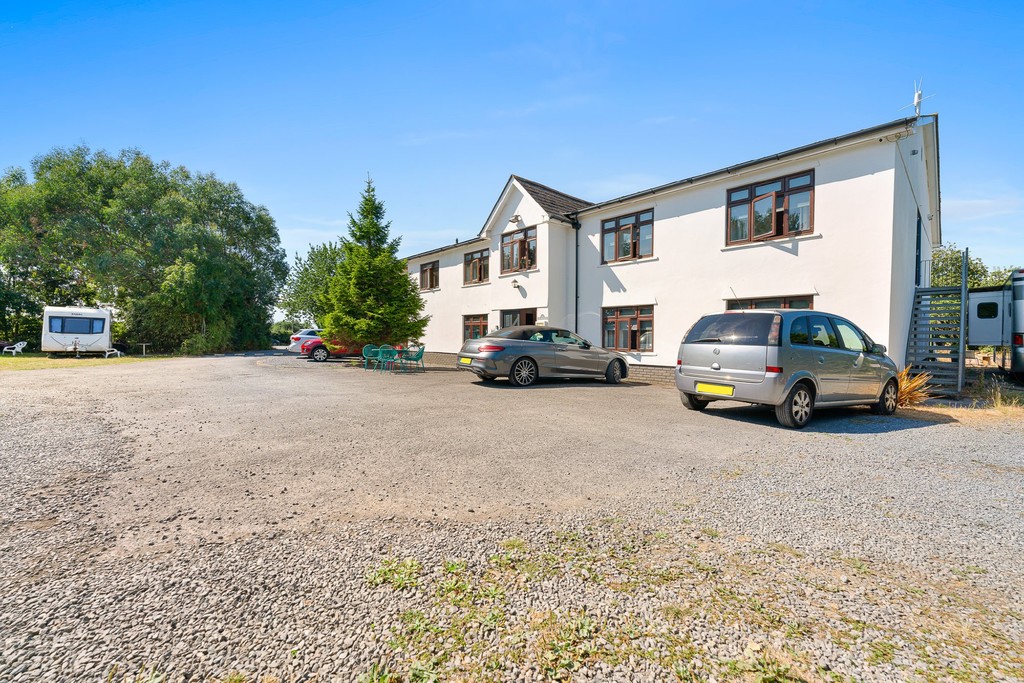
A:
73,329
995,317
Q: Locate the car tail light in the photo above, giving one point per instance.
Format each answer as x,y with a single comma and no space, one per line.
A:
1018,340
491,348
296,338
774,368
679,362
773,333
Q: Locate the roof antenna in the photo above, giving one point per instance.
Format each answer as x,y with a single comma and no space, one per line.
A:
918,92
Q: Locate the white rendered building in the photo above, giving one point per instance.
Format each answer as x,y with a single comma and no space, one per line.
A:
844,225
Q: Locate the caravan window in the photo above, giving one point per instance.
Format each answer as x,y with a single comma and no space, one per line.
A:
60,325
988,309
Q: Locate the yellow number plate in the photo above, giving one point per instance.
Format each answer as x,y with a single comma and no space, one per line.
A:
716,389
466,361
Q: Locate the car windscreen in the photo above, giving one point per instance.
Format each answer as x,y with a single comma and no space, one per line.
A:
731,328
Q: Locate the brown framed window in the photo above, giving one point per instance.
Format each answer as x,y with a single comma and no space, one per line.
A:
475,267
629,329
521,316
428,275
628,237
474,326
772,209
519,250
772,302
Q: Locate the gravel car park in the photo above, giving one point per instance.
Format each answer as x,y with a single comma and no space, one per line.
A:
578,531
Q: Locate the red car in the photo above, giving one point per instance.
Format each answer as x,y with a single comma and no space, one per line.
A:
317,350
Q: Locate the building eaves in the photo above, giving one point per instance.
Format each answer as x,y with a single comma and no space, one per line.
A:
729,170
472,240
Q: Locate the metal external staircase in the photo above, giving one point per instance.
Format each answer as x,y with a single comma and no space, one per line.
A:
937,337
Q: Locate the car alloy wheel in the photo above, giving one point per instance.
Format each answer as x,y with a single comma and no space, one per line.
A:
524,372
889,400
320,354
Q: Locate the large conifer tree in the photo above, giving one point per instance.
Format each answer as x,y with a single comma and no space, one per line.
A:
374,301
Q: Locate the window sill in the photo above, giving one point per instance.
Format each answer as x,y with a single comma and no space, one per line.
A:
629,262
476,284
782,242
513,273
433,289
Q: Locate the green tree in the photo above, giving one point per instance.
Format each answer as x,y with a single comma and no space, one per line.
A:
305,296
189,264
947,269
373,299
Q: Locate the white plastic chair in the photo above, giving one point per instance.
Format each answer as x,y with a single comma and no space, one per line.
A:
16,349
112,352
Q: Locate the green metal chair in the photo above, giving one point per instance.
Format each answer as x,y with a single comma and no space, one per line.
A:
411,359
369,354
386,356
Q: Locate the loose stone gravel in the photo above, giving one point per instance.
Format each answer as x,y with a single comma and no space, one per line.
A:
273,519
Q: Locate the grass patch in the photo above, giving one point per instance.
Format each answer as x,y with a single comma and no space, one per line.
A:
881,652
41,361
969,571
399,574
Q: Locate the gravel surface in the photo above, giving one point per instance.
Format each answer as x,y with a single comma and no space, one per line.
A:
274,519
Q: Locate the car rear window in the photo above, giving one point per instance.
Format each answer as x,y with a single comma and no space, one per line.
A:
741,329
512,333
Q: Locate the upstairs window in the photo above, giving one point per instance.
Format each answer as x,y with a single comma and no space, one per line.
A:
773,209
475,267
428,275
519,250
628,237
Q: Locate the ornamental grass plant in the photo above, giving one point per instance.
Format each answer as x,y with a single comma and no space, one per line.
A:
913,388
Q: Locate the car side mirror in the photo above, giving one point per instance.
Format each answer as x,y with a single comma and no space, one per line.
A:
878,348
585,344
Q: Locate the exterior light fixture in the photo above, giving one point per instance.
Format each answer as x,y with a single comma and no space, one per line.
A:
515,284
515,218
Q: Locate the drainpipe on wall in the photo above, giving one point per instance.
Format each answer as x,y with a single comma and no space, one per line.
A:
573,220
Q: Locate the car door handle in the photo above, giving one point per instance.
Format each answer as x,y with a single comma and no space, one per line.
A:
821,360
561,347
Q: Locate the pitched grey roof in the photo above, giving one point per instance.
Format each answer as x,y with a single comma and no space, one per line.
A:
553,202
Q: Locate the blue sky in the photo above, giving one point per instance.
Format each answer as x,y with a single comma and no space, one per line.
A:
440,102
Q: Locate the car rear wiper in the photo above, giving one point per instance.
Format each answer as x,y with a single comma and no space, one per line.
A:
706,339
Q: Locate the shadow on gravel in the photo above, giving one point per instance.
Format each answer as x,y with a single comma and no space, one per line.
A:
558,384
835,420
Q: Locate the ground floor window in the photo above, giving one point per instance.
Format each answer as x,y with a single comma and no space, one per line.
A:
629,329
775,302
474,326
522,316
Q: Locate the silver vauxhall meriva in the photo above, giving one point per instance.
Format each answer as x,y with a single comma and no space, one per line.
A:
794,360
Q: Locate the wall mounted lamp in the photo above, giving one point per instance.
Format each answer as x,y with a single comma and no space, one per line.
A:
515,218
515,284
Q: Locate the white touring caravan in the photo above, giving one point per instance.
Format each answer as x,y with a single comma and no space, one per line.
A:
71,329
995,317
